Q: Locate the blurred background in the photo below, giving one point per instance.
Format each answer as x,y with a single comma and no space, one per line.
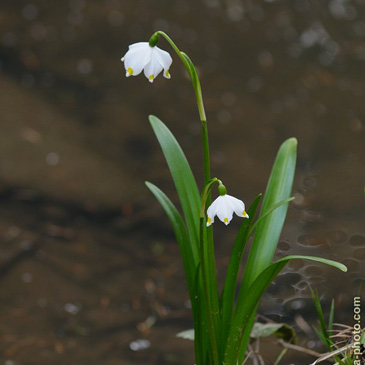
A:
89,269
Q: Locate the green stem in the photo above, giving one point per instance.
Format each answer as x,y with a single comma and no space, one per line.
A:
210,285
206,193
212,311
199,99
192,73
206,154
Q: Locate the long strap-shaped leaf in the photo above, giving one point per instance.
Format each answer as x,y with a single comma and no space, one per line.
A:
229,289
269,229
190,202
191,267
182,175
253,295
209,294
189,261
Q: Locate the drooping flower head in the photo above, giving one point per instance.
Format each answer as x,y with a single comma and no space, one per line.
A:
151,59
224,207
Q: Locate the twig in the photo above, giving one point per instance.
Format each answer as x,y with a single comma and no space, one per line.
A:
248,356
303,324
333,353
342,325
299,348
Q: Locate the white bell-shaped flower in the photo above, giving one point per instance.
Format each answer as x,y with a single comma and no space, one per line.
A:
141,56
224,207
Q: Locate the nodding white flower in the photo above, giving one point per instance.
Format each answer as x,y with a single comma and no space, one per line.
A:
141,56
223,207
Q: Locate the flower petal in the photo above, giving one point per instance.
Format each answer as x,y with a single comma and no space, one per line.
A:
164,60
238,206
225,212
152,69
212,211
138,56
210,221
213,208
138,45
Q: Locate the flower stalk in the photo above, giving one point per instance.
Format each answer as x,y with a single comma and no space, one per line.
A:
199,99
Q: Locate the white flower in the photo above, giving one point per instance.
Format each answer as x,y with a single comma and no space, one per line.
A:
223,207
141,56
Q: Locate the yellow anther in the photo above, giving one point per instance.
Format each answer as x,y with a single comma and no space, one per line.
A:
130,71
209,221
244,213
151,77
226,220
167,73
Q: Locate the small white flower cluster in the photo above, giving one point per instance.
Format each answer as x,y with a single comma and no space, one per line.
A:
141,56
224,207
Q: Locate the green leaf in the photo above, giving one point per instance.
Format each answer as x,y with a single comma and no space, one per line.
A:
280,330
200,343
269,229
331,316
269,211
322,332
201,340
321,260
189,256
184,180
318,307
190,201
210,291
229,289
243,313
239,329
322,337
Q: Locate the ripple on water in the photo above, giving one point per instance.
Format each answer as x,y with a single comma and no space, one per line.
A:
302,285
337,237
308,240
359,253
295,264
315,280
313,270
312,216
283,246
290,278
352,264
357,241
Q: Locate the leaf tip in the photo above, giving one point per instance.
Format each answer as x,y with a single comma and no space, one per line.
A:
152,118
293,140
150,186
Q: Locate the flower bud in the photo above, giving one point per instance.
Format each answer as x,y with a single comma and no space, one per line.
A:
154,39
222,189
